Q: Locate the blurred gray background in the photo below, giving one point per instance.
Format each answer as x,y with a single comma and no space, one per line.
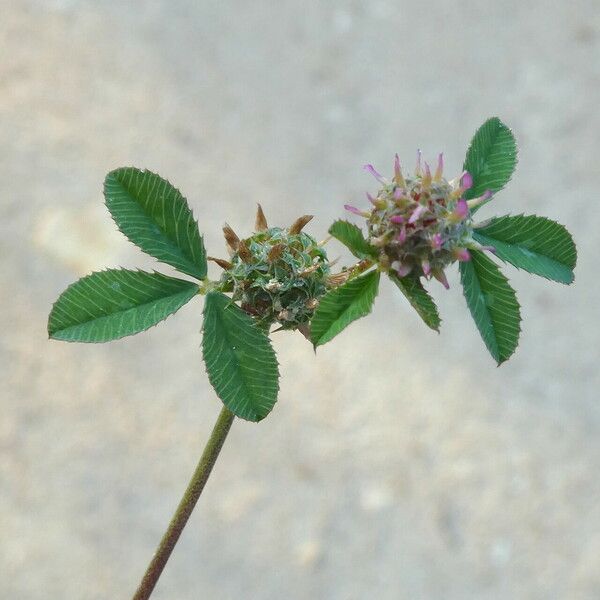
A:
398,464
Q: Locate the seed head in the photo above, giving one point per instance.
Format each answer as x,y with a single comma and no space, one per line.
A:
278,275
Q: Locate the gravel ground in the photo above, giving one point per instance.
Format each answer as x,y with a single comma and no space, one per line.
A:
398,464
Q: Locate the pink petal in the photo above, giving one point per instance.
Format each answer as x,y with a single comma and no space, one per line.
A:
402,270
466,181
426,267
397,219
378,176
401,237
355,210
417,213
480,200
436,241
462,254
461,210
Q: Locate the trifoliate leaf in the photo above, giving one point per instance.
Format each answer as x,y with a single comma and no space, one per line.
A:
156,217
239,358
419,299
493,304
112,304
491,158
339,307
535,244
351,236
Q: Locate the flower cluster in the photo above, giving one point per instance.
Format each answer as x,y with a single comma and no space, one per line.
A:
277,274
421,224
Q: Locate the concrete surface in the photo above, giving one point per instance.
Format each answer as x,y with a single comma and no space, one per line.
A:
398,464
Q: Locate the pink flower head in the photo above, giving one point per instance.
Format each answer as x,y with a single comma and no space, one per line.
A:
436,241
378,176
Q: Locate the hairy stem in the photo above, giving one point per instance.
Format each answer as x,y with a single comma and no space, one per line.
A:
186,506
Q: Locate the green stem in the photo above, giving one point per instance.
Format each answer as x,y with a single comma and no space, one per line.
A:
186,506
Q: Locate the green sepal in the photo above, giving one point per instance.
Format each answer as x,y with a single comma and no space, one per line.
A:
419,299
342,305
491,158
352,237
115,303
240,361
535,244
154,215
493,305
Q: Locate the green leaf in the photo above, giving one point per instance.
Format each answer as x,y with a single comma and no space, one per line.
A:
491,158
535,244
493,304
351,236
339,307
419,299
112,304
239,358
156,217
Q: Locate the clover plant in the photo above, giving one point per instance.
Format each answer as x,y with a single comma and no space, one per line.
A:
280,278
